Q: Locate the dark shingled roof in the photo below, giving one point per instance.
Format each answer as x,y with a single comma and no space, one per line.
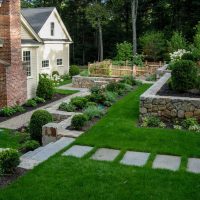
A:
37,17
29,41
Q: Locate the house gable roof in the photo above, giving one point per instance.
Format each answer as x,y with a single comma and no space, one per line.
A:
30,29
37,17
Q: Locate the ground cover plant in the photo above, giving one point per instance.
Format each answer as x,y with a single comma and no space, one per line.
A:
101,180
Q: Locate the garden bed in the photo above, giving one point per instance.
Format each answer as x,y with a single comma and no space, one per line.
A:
6,180
167,108
166,91
56,96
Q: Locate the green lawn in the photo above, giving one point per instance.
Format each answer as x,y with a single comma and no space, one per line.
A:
64,92
65,82
9,139
63,178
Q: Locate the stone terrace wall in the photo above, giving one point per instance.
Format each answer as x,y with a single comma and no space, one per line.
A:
166,107
88,82
161,71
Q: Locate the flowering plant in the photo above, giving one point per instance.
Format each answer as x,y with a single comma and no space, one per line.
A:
177,55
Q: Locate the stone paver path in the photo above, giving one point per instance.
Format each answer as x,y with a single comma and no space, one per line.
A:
77,151
39,155
193,165
23,119
135,158
105,154
167,162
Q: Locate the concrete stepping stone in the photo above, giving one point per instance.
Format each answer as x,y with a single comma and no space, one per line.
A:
105,154
77,151
167,162
33,158
53,149
135,158
193,165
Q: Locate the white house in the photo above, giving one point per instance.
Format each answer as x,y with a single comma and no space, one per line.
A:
45,44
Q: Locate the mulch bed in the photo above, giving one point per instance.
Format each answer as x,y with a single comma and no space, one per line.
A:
166,91
55,98
8,179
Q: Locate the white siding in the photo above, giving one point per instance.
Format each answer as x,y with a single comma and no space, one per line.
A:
33,80
45,32
25,34
52,52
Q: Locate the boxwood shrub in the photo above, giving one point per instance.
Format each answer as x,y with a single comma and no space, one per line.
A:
74,70
9,160
38,120
184,75
45,88
78,121
79,102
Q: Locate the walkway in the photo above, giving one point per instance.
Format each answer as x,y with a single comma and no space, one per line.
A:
23,119
132,158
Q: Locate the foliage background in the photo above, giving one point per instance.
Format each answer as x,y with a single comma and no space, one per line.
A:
166,16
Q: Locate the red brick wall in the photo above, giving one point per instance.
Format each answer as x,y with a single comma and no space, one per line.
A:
14,75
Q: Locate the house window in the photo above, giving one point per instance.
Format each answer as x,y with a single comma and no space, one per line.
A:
27,62
52,28
45,63
59,62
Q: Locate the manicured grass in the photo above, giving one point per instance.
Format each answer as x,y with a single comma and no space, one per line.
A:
65,92
119,130
9,139
63,178
65,82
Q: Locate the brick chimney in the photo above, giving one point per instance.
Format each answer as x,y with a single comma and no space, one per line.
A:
13,80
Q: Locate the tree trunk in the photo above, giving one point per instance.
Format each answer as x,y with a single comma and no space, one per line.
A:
100,42
134,7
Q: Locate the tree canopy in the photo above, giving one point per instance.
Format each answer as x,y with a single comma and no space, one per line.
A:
163,16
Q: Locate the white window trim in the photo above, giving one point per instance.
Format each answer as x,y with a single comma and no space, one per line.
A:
45,61
31,73
57,62
52,29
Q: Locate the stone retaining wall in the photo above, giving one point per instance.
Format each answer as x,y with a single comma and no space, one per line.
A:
167,108
161,71
88,82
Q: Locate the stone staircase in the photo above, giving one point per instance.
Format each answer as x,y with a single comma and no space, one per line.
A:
39,155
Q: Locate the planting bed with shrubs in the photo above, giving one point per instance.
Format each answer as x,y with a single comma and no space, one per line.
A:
46,93
14,144
24,142
94,106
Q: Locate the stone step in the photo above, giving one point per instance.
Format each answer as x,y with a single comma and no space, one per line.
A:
54,148
29,154
28,163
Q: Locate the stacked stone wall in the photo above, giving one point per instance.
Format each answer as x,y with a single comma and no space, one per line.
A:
166,107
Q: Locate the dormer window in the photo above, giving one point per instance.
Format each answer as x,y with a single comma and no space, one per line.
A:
52,28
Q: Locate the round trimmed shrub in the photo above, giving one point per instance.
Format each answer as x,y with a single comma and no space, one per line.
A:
45,88
38,120
78,121
74,70
9,160
79,102
184,75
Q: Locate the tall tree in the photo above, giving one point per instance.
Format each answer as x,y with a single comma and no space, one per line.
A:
98,15
134,10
